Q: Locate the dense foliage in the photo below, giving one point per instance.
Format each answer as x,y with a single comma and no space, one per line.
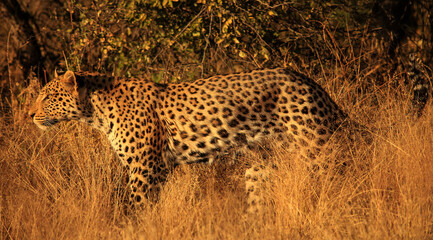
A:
180,40
127,37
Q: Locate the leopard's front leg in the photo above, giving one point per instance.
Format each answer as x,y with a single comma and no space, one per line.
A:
146,178
140,148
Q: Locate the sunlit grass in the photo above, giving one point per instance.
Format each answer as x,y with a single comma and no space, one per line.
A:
66,183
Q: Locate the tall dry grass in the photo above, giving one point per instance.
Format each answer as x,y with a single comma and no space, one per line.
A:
66,183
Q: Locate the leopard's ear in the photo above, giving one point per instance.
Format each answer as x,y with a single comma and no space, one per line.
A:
55,73
69,81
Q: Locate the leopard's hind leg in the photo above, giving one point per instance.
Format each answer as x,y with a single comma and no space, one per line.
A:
255,177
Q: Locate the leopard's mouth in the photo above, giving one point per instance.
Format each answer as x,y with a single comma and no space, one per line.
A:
44,122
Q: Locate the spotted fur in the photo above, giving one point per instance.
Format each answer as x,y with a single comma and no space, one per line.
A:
154,127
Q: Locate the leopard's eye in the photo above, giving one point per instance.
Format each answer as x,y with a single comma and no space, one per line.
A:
46,97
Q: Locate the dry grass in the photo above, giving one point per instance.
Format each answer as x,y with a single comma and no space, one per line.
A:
67,184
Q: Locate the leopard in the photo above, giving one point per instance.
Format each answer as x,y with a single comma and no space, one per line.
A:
156,127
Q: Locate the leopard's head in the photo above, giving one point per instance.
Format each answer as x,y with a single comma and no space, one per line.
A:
59,100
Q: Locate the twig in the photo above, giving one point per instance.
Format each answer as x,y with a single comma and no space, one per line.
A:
177,35
207,44
7,59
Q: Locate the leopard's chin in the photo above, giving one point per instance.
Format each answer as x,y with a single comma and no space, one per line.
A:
44,124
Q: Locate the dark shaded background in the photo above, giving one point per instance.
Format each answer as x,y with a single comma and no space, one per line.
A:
182,40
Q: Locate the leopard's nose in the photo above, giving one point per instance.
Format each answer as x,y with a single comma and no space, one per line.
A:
31,114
